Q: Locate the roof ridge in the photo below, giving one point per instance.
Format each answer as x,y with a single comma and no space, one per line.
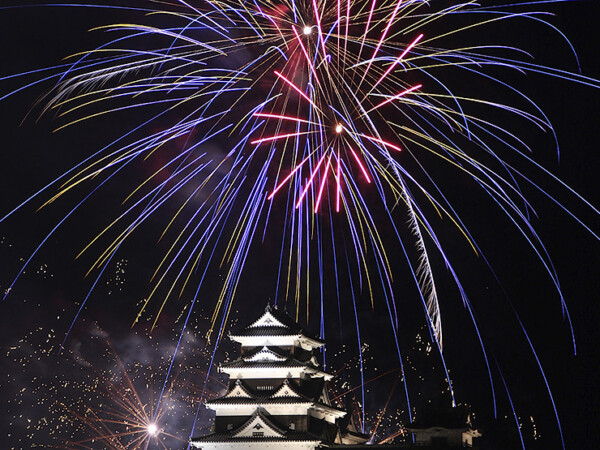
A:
288,360
285,321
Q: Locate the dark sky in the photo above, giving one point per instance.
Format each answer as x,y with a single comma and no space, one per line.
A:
36,315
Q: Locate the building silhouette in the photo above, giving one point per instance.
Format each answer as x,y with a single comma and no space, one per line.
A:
276,397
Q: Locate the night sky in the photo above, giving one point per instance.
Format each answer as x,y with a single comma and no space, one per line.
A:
44,392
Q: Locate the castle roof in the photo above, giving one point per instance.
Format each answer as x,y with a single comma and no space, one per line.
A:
267,364
266,354
258,428
296,436
288,390
289,393
277,391
274,323
259,400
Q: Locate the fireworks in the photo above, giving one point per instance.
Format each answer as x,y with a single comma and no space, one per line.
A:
92,397
333,129
152,429
319,108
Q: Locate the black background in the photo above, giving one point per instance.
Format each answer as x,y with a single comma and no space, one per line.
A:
32,156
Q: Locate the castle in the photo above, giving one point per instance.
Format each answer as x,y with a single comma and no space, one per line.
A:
277,397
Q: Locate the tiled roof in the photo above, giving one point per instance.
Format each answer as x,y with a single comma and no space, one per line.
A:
280,435
289,363
239,389
269,401
289,436
261,396
291,386
275,351
257,401
290,328
266,331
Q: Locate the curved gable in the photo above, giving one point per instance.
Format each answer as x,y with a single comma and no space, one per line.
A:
239,391
258,426
265,355
287,390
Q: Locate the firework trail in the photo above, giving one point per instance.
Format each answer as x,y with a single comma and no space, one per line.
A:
104,392
322,125
122,418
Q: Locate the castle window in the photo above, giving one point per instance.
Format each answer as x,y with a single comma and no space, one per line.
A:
258,433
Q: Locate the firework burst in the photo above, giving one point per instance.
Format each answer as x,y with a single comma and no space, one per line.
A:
118,407
318,102
322,125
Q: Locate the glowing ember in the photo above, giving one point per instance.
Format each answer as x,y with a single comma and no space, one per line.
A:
307,30
152,429
339,128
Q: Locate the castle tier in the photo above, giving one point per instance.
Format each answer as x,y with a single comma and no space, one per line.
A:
277,396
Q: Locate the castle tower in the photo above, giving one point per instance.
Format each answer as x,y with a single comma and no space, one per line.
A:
276,396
